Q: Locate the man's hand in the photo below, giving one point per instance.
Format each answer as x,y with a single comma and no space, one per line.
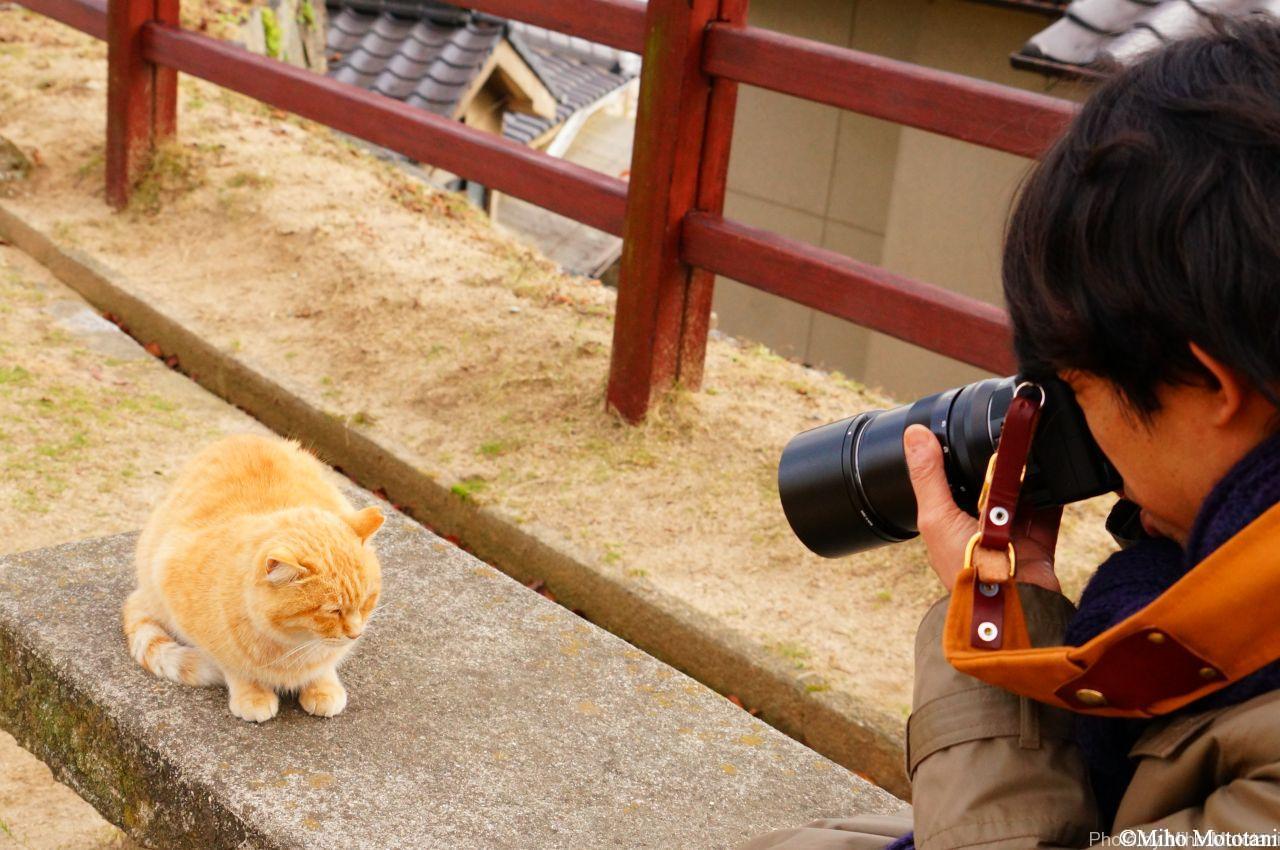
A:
946,529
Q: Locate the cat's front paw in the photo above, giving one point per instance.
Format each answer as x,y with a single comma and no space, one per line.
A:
323,699
254,705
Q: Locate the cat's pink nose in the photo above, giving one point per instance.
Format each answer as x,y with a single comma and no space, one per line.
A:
352,632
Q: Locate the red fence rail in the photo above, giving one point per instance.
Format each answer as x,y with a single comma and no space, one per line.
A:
696,52
1000,117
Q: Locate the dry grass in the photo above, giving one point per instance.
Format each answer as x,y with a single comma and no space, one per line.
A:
406,315
88,437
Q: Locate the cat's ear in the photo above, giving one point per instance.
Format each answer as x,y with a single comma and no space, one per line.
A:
280,571
364,523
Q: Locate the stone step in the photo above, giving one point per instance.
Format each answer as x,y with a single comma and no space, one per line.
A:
481,716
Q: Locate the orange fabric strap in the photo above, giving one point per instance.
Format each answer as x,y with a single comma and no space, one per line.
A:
1195,638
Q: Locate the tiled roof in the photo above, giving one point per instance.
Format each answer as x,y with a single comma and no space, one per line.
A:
426,62
1093,35
576,71
1048,7
427,54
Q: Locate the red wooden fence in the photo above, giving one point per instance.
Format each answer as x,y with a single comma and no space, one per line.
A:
676,240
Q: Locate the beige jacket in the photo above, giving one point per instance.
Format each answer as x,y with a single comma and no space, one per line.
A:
989,769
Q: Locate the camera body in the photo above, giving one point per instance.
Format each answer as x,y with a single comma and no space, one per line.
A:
845,486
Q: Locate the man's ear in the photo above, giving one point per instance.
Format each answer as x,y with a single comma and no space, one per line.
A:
1232,388
364,523
280,569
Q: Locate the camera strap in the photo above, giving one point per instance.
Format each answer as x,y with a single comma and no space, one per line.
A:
1189,642
997,507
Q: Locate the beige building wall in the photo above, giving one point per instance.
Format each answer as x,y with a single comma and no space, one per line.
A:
918,204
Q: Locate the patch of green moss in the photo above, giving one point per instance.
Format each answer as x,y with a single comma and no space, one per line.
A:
13,375
61,449
56,336
50,716
92,167
32,501
765,353
307,15
793,652
271,32
249,180
65,231
469,488
175,170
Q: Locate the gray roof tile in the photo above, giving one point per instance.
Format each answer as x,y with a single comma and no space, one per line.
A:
428,60
1094,35
573,48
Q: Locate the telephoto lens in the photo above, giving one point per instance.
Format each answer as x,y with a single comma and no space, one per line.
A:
845,486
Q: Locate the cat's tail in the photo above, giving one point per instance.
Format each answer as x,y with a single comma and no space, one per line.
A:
157,651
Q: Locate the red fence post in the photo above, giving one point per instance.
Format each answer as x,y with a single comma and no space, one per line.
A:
712,183
142,98
660,328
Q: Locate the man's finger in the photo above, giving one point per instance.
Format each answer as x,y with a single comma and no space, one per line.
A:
934,501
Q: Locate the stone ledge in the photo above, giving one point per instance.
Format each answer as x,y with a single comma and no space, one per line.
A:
481,715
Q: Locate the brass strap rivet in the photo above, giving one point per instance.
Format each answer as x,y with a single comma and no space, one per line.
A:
1208,673
988,631
988,590
1091,698
1156,637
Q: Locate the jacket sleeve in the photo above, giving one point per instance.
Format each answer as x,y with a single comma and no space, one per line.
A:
988,768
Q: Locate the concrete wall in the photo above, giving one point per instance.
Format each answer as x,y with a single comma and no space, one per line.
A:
918,204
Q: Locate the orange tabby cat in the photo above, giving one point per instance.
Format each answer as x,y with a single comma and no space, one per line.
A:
254,571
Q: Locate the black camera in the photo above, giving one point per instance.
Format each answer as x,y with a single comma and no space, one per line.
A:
845,486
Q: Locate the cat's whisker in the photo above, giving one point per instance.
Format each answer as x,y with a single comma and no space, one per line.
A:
286,656
297,649
379,609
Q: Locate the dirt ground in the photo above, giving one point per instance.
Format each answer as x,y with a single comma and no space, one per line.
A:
92,429
411,318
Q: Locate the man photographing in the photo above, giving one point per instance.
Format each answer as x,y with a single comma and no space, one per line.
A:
1142,269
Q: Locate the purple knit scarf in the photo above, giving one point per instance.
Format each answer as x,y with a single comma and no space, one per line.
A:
1132,578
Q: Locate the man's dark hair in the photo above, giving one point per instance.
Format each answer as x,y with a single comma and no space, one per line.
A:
1155,221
